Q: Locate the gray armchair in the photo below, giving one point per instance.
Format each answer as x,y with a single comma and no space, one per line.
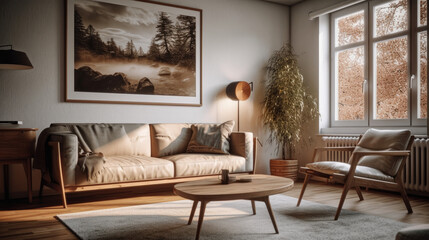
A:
376,162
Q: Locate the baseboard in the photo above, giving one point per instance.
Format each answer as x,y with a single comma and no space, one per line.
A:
24,194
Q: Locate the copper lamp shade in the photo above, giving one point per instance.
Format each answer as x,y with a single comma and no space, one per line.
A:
11,59
238,91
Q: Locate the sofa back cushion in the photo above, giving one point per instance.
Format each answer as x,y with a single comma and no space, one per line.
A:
169,138
113,138
139,135
109,139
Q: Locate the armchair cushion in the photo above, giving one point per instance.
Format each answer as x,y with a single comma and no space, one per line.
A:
375,139
330,168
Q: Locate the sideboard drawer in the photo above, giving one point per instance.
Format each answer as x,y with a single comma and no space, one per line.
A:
17,143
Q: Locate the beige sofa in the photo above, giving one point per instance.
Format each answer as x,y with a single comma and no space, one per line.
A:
74,157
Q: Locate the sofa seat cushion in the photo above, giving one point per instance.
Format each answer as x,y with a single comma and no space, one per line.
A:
330,167
192,164
125,168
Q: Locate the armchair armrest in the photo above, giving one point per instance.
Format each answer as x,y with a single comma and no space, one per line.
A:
401,153
357,155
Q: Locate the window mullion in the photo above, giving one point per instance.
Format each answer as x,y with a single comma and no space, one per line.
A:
369,43
390,36
415,62
349,46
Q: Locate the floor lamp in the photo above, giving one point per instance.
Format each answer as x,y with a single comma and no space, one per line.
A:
239,91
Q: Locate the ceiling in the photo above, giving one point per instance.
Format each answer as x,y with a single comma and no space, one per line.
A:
285,2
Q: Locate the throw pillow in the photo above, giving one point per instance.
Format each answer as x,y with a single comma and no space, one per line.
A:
210,138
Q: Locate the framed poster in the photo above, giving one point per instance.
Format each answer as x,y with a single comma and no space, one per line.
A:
133,52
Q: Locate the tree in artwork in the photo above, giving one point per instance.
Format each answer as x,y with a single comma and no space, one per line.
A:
173,43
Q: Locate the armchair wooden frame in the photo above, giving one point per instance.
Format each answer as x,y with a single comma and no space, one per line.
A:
350,180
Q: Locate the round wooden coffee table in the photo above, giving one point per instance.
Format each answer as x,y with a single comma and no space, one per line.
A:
211,189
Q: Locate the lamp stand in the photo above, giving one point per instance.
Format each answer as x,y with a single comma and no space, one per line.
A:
238,116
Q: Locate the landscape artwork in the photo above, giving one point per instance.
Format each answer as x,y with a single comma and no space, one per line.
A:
133,52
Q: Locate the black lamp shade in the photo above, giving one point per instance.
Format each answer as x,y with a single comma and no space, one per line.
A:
11,59
238,91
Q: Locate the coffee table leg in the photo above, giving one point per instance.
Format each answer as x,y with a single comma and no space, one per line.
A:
253,207
270,211
194,206
201,218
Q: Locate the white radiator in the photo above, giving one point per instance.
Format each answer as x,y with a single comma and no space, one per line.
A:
416,169
339,141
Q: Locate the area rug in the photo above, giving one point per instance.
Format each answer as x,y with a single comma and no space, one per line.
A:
230,220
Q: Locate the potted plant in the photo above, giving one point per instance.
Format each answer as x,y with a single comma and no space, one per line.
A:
287,107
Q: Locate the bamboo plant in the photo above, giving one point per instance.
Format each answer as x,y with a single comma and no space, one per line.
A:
287,107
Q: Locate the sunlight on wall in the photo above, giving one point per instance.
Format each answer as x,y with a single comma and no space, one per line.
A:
234,70
236,66
324,72
227,109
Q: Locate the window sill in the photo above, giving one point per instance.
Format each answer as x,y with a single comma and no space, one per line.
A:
361,130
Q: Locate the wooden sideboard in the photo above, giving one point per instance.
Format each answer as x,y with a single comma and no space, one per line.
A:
17,146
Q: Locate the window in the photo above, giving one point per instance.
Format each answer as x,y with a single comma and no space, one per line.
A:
379,64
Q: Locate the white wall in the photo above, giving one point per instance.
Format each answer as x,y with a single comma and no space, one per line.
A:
305,41
238,38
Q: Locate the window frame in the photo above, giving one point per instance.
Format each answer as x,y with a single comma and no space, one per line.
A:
334,50
369,69
415,121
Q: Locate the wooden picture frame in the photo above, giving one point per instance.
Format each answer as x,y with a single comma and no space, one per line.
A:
133,52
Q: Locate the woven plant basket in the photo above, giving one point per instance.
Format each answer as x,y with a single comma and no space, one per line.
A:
284,168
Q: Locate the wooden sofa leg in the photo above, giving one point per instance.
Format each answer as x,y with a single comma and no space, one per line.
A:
41,188
63,193
56,156
304,186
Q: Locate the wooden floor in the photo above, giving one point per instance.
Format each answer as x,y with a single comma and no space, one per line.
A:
20,220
